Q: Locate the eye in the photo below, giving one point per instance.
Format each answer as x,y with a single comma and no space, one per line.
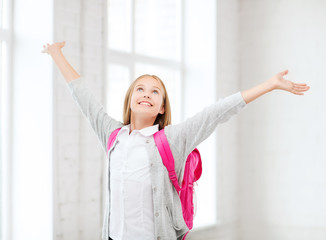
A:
140,89
155,91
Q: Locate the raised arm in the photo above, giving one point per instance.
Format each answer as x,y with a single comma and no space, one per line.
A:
65,68
187,135
276,82
92,109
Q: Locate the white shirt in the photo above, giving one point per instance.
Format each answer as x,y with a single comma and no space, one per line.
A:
132,214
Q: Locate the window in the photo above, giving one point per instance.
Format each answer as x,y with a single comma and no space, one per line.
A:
4,118
26,132
141,40
156,37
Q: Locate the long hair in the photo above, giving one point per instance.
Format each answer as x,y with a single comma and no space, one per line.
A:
161,119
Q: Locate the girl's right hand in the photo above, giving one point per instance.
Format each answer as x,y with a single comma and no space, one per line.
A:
53,48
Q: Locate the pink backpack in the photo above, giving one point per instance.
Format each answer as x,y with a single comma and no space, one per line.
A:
192,173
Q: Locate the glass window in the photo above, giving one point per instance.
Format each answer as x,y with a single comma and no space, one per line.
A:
117,85
4,14
1,14
4,127
119,25
144,37
1,137
157,28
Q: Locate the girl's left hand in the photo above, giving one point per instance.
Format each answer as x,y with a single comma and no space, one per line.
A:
53,48
278,82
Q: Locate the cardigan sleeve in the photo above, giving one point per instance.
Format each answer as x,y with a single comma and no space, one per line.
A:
100,121
186,136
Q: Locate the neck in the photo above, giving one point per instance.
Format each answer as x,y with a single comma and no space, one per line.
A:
140,123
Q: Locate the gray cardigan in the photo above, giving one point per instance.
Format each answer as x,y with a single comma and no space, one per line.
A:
183,138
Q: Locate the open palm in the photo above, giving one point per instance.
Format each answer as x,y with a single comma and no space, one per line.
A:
279,82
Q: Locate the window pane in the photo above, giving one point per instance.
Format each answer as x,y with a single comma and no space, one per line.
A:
4,14
157,28
172,81
3,143
119,28
1,64
206,189
1,14
1,138
117,86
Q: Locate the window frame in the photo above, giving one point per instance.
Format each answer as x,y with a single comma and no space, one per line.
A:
131,59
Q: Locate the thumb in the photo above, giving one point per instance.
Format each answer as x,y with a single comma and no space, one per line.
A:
284,72
62,44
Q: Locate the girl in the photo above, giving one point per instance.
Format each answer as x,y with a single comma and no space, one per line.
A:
141,200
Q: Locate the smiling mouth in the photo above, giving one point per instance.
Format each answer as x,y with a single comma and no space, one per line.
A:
145,104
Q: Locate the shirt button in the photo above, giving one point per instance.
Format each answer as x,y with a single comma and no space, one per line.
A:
154,189
151,164
158,238
147,141
157,214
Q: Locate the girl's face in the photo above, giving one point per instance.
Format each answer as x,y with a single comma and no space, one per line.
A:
147,98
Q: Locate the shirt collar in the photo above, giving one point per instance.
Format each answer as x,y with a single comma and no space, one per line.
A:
148,131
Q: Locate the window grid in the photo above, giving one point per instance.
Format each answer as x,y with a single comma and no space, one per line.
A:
128,57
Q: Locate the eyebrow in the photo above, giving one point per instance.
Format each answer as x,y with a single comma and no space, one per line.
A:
143,85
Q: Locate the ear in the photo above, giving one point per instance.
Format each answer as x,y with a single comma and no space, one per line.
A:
162,110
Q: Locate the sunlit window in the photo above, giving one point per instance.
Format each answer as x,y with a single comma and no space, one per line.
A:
1,136
146,37
157,28
143,38
4,111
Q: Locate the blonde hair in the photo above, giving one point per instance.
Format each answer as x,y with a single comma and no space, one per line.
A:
161,119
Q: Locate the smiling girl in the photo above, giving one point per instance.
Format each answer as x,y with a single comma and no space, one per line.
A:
141,200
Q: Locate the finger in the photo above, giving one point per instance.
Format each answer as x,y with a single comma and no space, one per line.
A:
301,90
300,84
301,87
296,92
44,50
284,72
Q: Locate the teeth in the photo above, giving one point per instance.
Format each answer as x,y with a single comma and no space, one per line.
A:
144,103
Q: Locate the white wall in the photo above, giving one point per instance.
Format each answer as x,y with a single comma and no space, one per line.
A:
78,157
283,136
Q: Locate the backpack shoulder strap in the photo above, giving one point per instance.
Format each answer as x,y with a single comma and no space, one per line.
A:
112,138
167,157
